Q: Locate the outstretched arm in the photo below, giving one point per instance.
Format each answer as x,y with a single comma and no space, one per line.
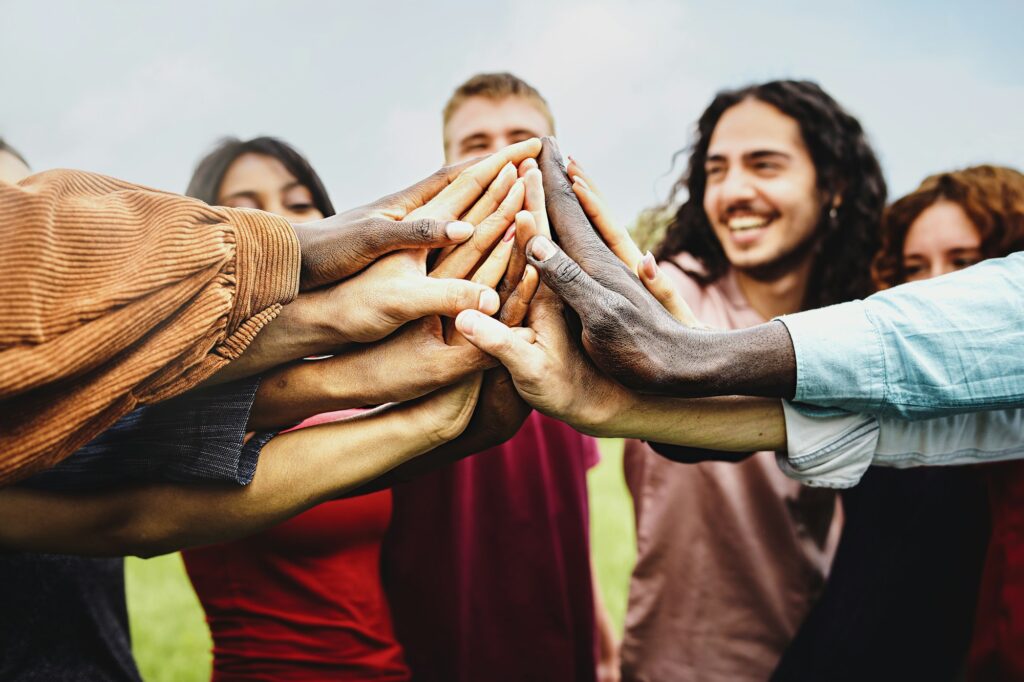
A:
296,471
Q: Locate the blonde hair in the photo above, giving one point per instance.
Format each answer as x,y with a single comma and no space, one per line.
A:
494,86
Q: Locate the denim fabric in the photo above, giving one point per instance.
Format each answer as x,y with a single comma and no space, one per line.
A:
944,346
196,437
836,451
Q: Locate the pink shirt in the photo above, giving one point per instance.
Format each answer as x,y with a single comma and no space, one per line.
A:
730,556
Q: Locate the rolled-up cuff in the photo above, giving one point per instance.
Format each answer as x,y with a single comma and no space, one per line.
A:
267,264
839,358
828,452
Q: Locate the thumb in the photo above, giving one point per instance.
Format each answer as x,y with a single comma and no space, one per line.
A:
563,275
497,340
384,236
449,297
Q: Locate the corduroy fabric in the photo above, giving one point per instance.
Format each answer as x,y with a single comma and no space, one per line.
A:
116,295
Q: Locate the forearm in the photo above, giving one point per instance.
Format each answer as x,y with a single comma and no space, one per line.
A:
758,361
296,471
729,424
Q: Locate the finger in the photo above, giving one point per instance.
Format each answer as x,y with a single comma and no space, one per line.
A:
455,199
527,165
512,349
398,205
513,311
617,239
573,169
571,228
380,236
447,297
492,198
461,261
526,228
564,276
493,268
534,202
662,289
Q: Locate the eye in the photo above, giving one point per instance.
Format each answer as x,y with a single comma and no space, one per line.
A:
913,271
300,207
767,167
714,172
962,262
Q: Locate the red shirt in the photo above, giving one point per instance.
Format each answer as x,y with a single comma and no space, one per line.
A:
302,600
487,562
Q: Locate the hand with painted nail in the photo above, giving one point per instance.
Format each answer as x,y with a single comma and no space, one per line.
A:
419,217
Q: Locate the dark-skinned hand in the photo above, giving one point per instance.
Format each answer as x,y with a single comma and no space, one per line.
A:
627,332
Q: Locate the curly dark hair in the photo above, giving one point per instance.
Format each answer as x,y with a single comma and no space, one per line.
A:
991,196
846,168
209,173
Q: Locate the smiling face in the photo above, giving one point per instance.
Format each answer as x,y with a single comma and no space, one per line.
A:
761,196
262,182
941,240
482,125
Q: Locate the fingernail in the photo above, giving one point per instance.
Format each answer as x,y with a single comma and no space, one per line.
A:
572,159
459,230
581,181
509,166
526,271
649,266
466,322
489,301
509,234
542,248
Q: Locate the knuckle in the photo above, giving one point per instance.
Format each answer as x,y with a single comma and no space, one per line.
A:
454,295
423,229
567,271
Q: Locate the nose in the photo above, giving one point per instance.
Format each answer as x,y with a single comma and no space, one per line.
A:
735,187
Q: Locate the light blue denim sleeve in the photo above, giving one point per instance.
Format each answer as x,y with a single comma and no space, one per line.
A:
835,452
948,345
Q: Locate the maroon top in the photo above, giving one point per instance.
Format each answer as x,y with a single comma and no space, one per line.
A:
997,650
487,566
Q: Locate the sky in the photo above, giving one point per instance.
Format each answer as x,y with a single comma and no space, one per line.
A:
141,90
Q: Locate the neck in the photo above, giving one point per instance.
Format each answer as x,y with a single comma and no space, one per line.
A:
777,293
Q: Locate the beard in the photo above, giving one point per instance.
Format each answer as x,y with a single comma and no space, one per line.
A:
787,261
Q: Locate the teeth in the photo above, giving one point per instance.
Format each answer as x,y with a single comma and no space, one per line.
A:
747,222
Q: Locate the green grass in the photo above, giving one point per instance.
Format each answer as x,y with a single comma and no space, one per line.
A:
172,643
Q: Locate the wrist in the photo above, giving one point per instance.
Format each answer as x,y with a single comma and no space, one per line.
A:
607,416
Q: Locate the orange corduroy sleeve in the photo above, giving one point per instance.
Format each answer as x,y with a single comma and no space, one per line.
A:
116,295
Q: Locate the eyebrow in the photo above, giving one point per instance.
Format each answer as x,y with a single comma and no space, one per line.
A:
751,156
475,137
249,194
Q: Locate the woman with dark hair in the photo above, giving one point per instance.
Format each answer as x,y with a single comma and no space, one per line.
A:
784,198
238,161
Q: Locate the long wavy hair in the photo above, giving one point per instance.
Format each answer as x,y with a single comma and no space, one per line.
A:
209,173
846,169
991,196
